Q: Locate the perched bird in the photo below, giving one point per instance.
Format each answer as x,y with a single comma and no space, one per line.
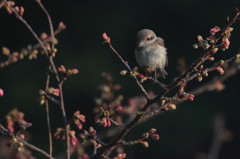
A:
151,53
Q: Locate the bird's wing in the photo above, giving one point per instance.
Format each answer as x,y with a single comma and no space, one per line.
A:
160,41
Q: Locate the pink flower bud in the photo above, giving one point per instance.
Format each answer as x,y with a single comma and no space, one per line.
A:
155,137
74,141
191,97
152,131
220,70
105,38
226,43
119,108
75,71
1,92
214,30
141,76
172,106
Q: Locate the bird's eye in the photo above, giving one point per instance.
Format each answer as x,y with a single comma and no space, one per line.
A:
149,38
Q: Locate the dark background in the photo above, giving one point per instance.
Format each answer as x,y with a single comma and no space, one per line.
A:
185,132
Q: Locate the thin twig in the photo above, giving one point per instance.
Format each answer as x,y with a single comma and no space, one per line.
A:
48,116
8,134
130,70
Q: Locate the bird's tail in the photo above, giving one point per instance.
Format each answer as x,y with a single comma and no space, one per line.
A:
161,73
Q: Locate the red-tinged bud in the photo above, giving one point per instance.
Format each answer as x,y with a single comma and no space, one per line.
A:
106,38
152,131
123,72
6,51
109,123
195,46
74,71
214,30
1,92
17,9
145,135
62,69
62,26
211,58
226,43
220,70
119,109
145,144
10,126
91,130
54,91
171,106
21,11
120,156
191,97
205,74
141,76
74,141
199,78
199,38
155,137
44,36
215,50
163,102
221,62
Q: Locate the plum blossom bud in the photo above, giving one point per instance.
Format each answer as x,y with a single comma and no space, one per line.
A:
120,156
199,78
119,109
123,72
155,137
191,97
62,69
62,26
53,91
221,62
145,144
106,38
214,30
226,43
195,46
1,92
5,51
21,11
220,70
152,131
171,106
199,38
215,50
205,74
211,58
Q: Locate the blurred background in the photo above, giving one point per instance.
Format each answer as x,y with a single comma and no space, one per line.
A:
186,133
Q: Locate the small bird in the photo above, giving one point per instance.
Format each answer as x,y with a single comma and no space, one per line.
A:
151,53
